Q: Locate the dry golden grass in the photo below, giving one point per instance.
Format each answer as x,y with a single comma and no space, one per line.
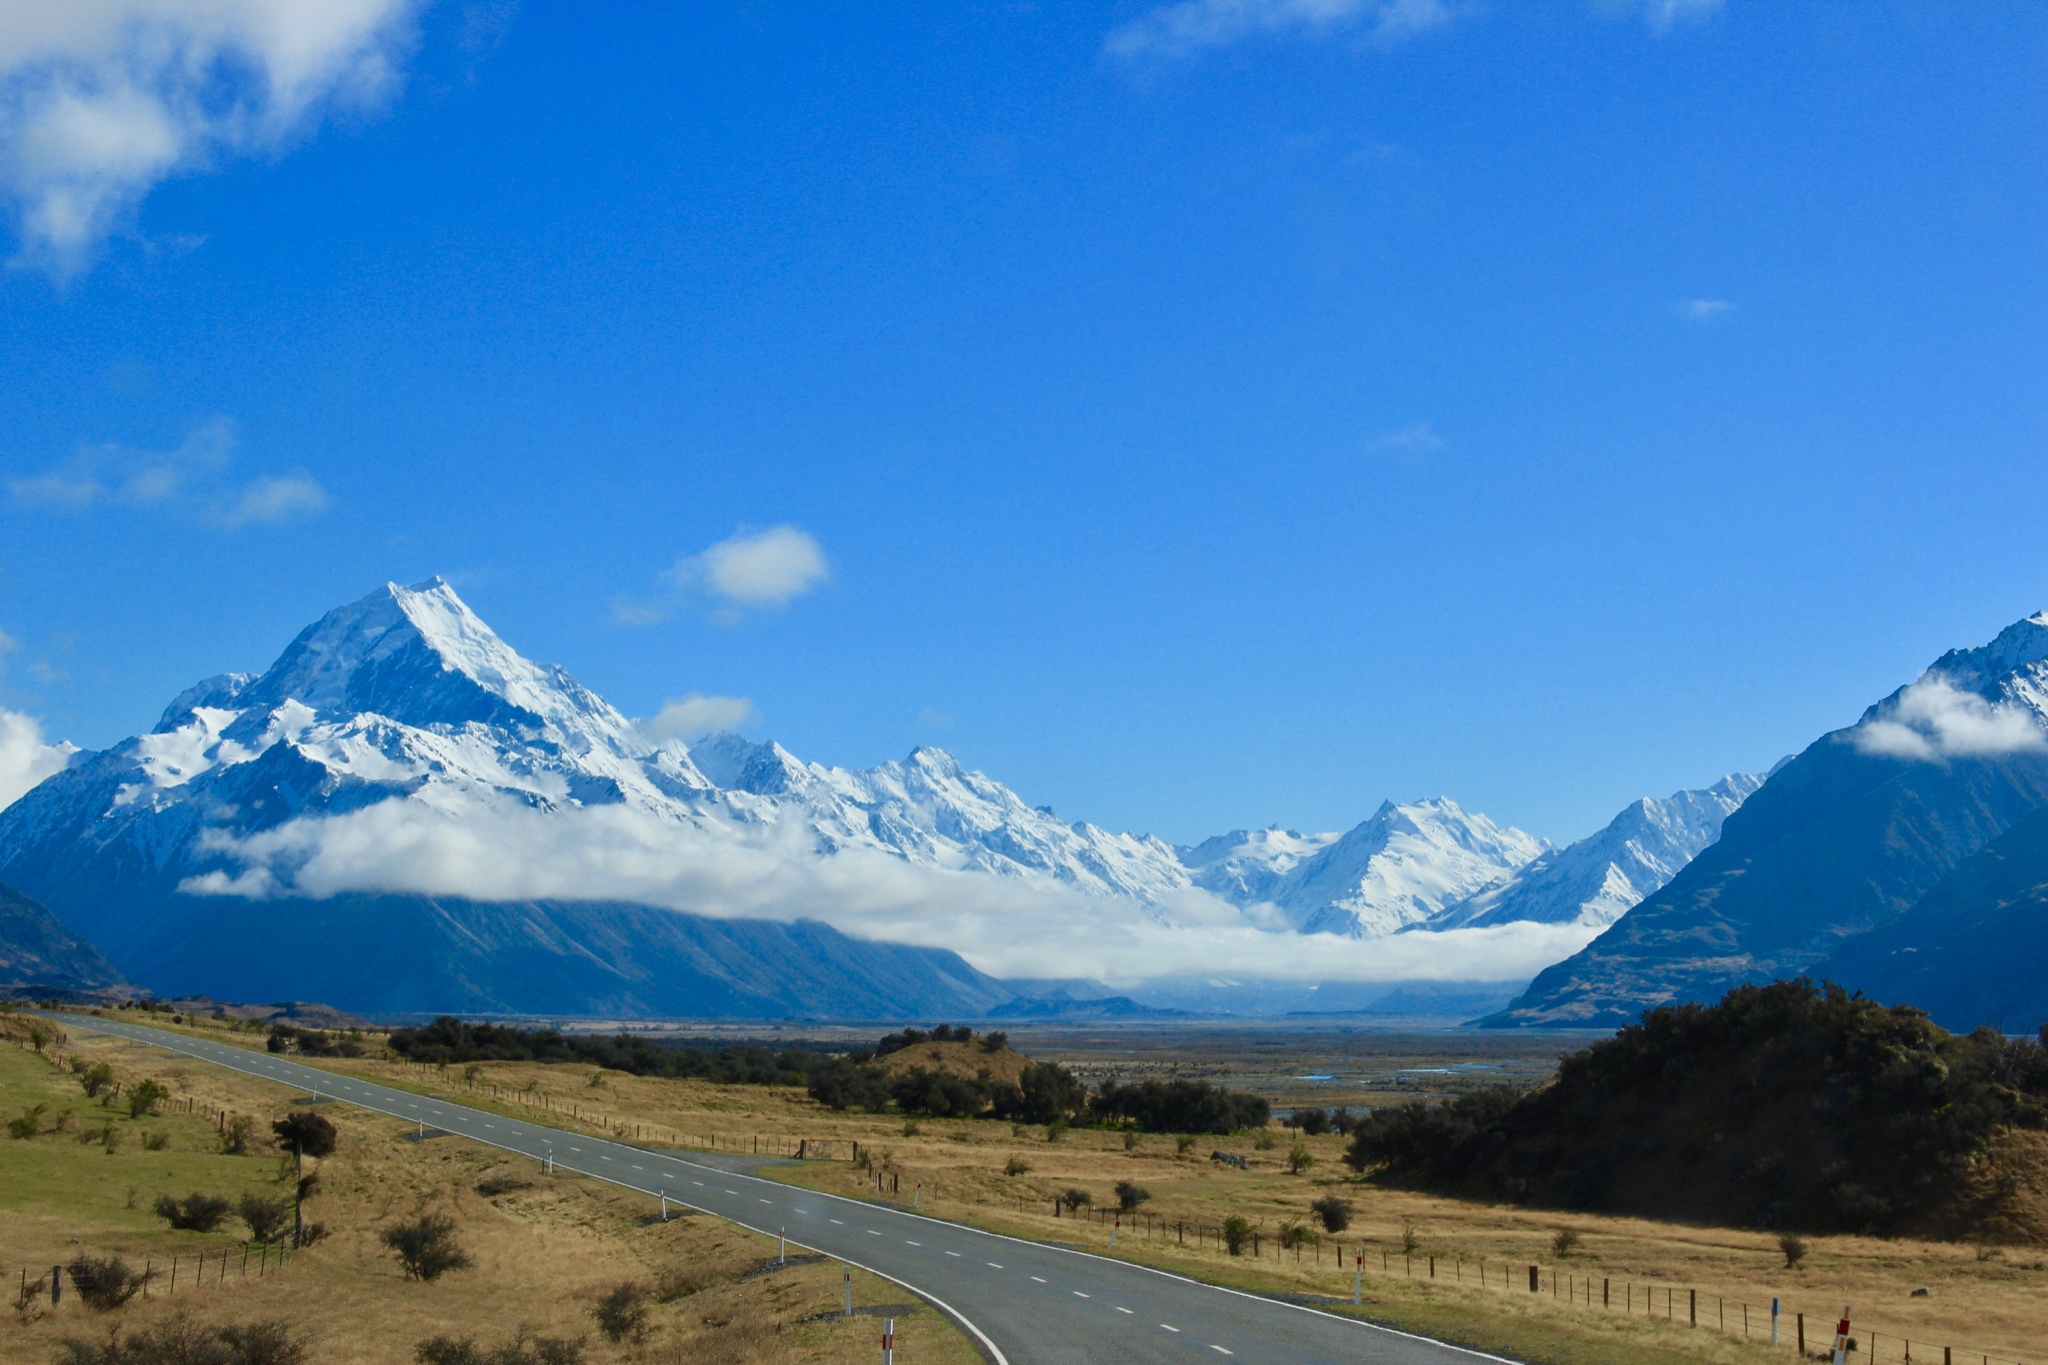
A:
1981,1300
967,1060
544,1249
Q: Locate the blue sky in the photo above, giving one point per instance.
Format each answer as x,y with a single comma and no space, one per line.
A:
1194,416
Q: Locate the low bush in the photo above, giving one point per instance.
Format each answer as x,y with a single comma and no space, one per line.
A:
1294,1235
621,1312
1016,1165
155,1142
1298,1159
1237,1234
234,1137
1332,1212
95,1079
194,1213
1794,1248
491,1186
105,1282
525,1348
1077,1199
1129,1195
268,1216
179,1341
144,1097
29,1122
426,1247
1564,1242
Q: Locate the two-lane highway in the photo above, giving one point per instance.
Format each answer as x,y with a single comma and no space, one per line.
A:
1025,1302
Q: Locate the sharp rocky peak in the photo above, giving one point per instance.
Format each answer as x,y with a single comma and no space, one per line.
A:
2014,649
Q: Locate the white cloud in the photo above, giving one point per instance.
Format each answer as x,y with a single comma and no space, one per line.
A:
1417,438
192,480
1933,719
690,716
756,568
24,757
503,850
1664,15
1177,30
102,100
1704,310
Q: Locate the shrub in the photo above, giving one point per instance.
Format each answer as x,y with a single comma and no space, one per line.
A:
1182,1145
96,1078
305,1133
106,1135
525,1348
1016,1165
841,1084
1077,1199
491,1186
1309,1121
194,1213
1333,1212
234,1138
682,1281
1411,1238
622,1312
155,1142
1564,1242
1294,1235
29,1123
910,1128
267,1216
1264,1141
144,1098
1130,1139
1237,1234
426,1247
995,1040
1129,1195
179,1342
1298,1159
105,1283
1794,1247
1056,1131
1180,1107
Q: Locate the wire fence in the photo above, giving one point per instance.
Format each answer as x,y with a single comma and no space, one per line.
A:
186,1273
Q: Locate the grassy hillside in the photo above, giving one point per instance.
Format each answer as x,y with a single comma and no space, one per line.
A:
1782,1106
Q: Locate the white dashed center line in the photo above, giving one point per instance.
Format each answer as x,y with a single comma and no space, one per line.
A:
1120,1310
1225,1349
993,1266
952,1253
1171,1328
1040,1280
835,1220
1079,1295
908,1242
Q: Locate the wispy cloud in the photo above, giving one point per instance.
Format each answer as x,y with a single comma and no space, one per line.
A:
504,850
1933,719
194,480
1665,15
690,716
1417,438
749,568
25,757
102,100
1704,310
1177,30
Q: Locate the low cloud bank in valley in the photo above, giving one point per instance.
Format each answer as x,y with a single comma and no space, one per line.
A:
487,850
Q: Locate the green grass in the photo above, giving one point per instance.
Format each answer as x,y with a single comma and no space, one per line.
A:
55,1188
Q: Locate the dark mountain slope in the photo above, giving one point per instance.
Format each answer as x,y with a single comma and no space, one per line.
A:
1975,949
1836,843
38,953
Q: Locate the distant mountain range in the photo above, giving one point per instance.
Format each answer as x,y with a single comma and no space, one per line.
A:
38,953
1906,855
241,847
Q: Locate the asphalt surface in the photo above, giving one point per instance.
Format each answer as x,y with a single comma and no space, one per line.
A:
1026,1303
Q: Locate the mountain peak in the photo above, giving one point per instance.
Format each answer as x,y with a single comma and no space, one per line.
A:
2019,645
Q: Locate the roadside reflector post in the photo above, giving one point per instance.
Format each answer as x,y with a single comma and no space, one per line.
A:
1113,1232
664,1206
782,1252
1842,1338
846,1278
1358,1282
889,1342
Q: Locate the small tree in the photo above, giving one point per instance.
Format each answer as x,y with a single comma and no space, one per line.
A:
1016,1165
266,1216
303,1133
29,1123
1564,1242
144,1098
426,1247
1077,1199
1294,1235
105,1283
1794,1247
234,1138
1183,1145
1334,1213
622,1313
194,1213
472,1073
1130,1139
1056,1131
995,1040
96,1078
1298,1159
1129,1195
1237,1234
1411,1238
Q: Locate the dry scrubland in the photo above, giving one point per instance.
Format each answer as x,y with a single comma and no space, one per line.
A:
544,1250
1981,1300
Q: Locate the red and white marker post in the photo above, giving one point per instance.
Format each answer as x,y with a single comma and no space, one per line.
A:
889,1342
1358,1282
1842,1338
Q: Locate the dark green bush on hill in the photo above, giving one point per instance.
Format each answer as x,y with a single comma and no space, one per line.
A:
449,1039
1180,1107
1786,1105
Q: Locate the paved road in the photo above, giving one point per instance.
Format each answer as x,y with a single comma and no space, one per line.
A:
1027,1303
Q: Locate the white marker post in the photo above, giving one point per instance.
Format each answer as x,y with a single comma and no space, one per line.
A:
847,1274
917,1195
1774,1322
889,1342
664,1206
782,1247
1114,1229
1842,1338
1358,1282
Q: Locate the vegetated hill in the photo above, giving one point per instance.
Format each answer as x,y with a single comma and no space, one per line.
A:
987,1057
38,954
1975,949
1840,840
1785,1105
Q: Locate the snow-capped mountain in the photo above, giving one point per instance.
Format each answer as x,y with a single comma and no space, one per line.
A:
1600,878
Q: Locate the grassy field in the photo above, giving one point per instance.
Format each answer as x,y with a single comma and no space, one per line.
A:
544,1248
1981,1301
